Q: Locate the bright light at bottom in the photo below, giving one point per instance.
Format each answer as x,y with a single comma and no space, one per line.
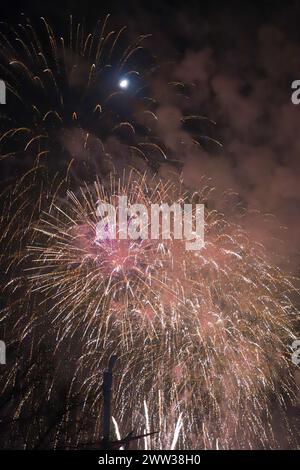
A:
123,83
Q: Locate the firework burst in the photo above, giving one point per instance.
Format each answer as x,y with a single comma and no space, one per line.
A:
65,100
201,337
80,102
199,334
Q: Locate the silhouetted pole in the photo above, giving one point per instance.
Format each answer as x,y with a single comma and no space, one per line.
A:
106,443
107,393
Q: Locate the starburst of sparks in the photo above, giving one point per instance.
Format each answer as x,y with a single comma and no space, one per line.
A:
201,336
198,333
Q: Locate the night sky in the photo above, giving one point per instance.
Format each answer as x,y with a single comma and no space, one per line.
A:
241,60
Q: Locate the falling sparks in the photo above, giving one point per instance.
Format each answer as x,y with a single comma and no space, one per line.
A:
200,334
201,337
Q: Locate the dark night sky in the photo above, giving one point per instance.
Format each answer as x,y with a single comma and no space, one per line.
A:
165,14
243,57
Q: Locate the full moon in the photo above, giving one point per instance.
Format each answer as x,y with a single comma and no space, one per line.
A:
123,83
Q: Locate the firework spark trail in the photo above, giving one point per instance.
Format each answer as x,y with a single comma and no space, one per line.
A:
203,334
65,91
66,109
65,105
